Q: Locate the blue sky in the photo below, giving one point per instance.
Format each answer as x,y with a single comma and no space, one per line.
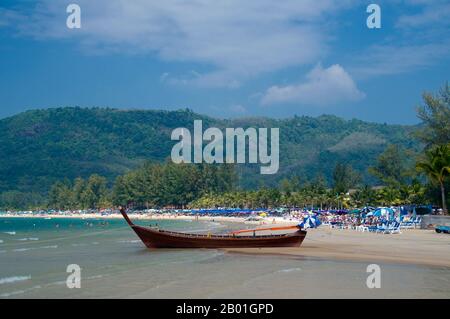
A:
226,58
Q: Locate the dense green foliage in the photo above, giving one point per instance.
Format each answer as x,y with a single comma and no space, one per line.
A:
41,147
394,166
152,185
436,165
81,194
90,158
435,114
169,184
316,196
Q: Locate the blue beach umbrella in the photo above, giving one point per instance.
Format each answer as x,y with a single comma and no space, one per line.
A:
382,212
310,222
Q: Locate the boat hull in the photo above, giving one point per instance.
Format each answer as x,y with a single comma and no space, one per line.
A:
153,238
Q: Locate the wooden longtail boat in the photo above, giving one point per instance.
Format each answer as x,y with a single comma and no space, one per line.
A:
157,238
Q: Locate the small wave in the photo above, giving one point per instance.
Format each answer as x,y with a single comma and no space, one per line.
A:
210,257
9,294
29,238
289,270
9,280
46,247
21,249
2,251
1,241
18,292
10,232
42,247
134,241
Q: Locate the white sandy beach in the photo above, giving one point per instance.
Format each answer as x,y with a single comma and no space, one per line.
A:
412,246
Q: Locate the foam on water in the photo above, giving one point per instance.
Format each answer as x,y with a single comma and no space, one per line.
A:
129,241
9,280
10,232
18,292
288,270
21,249
46,247
29,238
33,248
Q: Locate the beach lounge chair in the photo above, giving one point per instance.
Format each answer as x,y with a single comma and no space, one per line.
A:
381,228
407,225
372,229
389,228
393,228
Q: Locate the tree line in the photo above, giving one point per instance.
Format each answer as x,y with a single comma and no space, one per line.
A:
406,176
152,185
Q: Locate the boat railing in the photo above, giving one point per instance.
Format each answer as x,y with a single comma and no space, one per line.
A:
217,235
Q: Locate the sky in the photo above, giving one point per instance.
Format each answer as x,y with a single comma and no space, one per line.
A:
226,58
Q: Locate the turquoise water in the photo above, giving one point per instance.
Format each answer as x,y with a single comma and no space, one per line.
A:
35,252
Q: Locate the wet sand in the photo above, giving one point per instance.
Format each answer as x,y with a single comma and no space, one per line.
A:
412,246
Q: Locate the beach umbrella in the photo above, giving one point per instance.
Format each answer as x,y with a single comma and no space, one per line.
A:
310,222
382,212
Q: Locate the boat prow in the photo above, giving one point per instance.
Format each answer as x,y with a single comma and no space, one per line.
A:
157,238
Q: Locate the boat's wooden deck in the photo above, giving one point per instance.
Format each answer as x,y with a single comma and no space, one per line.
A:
216,235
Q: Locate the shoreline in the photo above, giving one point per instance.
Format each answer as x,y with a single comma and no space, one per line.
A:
412,247
232,219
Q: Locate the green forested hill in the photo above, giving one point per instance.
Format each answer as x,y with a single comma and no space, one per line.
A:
41,146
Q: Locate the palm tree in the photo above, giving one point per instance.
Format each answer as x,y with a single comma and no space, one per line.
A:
436,166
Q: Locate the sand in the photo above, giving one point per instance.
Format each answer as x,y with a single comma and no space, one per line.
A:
412,246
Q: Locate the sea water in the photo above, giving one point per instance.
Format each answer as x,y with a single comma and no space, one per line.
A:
35,253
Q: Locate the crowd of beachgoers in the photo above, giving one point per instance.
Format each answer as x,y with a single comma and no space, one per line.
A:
385,219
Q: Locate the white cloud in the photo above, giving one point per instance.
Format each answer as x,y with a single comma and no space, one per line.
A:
322,86
234,39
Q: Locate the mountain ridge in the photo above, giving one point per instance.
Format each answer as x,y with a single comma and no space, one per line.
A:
39,147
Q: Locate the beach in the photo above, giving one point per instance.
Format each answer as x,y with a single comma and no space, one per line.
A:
331,263
412,246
